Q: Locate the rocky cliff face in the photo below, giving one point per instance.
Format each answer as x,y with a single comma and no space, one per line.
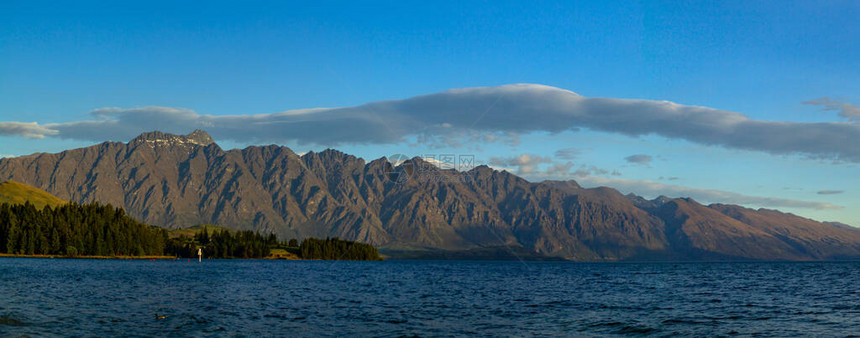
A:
179,181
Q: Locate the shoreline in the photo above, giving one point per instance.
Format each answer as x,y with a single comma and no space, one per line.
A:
172,258
137,257
5,255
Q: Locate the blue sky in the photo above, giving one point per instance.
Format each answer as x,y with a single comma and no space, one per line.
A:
61,61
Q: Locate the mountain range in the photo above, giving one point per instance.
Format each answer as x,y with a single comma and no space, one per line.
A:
179,181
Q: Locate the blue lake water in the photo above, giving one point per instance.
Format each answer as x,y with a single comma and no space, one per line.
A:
256,297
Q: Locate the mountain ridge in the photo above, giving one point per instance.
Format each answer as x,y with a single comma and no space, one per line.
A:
184,180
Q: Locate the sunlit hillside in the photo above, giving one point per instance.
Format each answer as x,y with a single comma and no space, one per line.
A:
18,193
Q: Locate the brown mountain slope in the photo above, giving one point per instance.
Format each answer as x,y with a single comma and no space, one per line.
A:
812,239
698,230
179,181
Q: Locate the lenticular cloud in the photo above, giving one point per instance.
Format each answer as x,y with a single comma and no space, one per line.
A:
494,112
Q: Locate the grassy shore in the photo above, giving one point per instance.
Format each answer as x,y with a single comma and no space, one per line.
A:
282,254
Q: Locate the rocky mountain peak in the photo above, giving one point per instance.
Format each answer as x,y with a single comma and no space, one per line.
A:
197,138
660,200
200,137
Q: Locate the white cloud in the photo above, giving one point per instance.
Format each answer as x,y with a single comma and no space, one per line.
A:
25,129
485,114
525,163
652,189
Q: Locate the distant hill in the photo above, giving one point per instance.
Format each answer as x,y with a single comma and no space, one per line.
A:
18,193
179,180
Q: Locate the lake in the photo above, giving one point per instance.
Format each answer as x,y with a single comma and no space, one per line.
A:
265,297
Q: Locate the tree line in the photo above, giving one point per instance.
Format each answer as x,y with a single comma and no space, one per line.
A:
103,230
223,244
249,244
73,229
337,249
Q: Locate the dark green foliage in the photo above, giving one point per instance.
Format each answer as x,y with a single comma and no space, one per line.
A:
250,244
71,251
223,244
73,229
102,230
337,249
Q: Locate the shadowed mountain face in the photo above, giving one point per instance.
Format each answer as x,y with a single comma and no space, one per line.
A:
180,181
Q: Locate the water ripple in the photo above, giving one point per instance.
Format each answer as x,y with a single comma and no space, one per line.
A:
406,298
